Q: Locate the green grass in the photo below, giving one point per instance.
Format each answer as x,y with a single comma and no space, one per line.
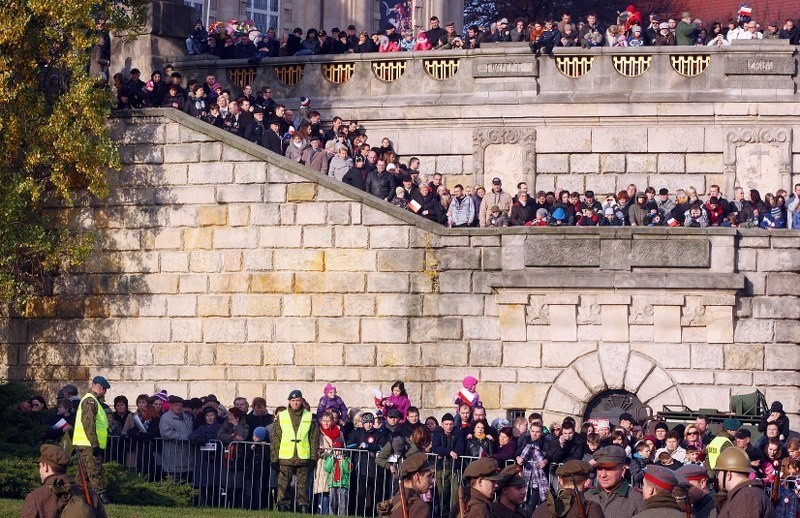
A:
12,508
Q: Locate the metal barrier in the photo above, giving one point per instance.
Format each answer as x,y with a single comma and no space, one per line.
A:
344,482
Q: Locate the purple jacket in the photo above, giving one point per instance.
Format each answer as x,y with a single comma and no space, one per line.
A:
401,403
326,403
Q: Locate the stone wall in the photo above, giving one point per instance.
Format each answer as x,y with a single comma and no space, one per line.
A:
221,268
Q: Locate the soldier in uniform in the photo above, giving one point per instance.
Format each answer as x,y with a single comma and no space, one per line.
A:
295,438
510,495
745,498
90,436
416,476
57,488
659,482
616,497
698,493
480,480
569,503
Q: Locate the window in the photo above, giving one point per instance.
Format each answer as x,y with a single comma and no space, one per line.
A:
264,13
198,7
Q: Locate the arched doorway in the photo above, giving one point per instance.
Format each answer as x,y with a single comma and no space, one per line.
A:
610,404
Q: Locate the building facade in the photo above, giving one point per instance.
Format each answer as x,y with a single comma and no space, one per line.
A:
371,15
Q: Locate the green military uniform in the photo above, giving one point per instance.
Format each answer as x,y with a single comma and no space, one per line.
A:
569,503
58,489
90,436
622,501
296,448
414,506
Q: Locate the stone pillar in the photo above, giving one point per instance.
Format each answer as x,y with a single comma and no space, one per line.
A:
164,37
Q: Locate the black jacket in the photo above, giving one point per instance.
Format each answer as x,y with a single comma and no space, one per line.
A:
273,142
381,185
357,177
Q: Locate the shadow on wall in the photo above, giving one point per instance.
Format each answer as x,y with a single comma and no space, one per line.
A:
71,332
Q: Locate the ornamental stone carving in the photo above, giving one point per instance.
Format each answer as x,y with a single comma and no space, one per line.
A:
757,157
506,153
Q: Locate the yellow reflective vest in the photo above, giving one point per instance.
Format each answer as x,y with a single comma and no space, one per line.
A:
714,448
79,437
291,441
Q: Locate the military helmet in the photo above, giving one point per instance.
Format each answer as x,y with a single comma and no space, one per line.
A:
733,459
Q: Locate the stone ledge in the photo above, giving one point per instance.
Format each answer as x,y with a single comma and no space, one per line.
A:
573,278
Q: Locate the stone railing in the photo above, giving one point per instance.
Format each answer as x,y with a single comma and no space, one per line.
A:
498,72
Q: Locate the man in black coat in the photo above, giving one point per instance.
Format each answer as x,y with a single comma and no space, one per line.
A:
272,140
254,132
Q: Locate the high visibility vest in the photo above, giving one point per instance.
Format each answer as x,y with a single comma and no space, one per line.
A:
714,448
290,441
100,425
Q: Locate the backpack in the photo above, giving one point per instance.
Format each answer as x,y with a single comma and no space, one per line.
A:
76,507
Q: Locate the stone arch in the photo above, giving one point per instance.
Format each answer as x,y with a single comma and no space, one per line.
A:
613,367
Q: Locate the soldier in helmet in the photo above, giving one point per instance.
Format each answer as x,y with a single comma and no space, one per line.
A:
569,502
745,498
616,497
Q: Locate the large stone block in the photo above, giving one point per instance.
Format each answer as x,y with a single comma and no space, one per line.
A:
512,323
230,330
744,357
318,354
776,307
611,140
749,331
481,328
674,139
557,354
296,330
783,357
350,260
562,252
384,330
400,354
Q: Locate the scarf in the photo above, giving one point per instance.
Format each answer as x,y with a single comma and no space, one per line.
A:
480,436
332,433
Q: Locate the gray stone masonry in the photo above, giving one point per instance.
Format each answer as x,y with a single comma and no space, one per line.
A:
220,268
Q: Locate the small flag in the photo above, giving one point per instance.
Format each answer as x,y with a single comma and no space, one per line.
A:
466,396
62,425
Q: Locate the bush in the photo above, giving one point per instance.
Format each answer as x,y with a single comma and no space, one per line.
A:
19,475
18,427
129,488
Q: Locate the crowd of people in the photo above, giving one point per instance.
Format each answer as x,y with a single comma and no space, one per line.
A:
337,452
632,28
342,150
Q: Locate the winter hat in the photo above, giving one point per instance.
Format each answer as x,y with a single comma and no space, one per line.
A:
609,211
542,213
305,101
662,426
329,387
400,191
260,433
469,381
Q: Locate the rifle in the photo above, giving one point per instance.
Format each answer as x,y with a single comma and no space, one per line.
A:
462,506
776,486
401,491
84,482
578,499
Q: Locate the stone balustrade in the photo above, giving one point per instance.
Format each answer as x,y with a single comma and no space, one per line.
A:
510,73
